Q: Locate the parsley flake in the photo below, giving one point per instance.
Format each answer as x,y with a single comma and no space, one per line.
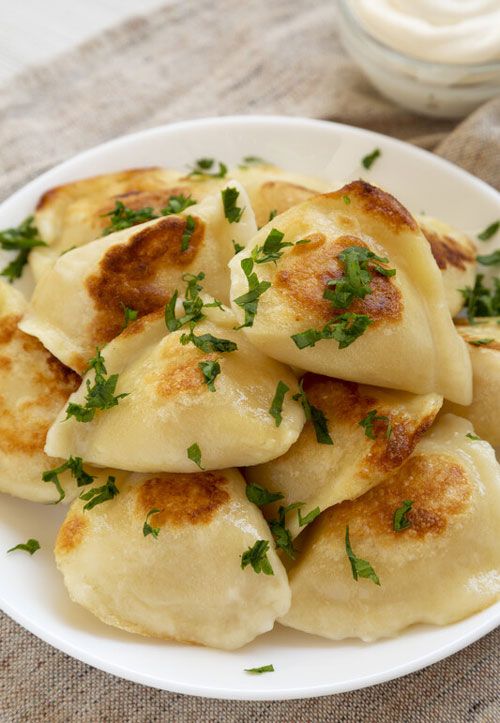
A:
277,404
479,300
360,568
345,329
346,200
281,534
194,454
370,419
237,247
75,466
177,204
210,370
187,233
98,495
147,528
400,519
256,556
355,282
272,214
314,415
370,159
481,342
207,342
100,395
123,217
30,546
206,168
129,315
262,669
250,301
307,519
489,231
232,212
474,437
193,304
260,496
489,259
272,248
22,239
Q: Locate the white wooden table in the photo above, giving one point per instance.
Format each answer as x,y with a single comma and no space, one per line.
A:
34,31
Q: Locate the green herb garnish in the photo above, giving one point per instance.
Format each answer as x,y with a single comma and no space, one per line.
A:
307,519
346,200
22,239
474,437
193,304
400,519
370,159
249,301
360,568
231,211
100,395
31,546
147,528
187,233
272,248
314,415
194,454
262,669
480,300
177,204
345,329
489,259
277,403
256,556
260,496
98,495
237,247
206,168
210,370
355,283
272,214
370,419
129,315
489,232
281,534
123,217
207,342
481,342
75,466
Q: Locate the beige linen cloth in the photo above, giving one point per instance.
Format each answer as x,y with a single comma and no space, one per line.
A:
195,59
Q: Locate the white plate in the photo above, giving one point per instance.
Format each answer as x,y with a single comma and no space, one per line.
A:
31,590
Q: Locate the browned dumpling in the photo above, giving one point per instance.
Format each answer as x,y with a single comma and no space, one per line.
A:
183,580
365,572
360,457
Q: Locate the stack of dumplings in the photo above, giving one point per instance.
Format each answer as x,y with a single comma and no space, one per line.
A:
258,394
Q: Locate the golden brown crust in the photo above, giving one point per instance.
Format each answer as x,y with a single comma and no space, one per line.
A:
138,199
184,499
8,327
304,272
71,533
182,373
447,252
376,202
128,274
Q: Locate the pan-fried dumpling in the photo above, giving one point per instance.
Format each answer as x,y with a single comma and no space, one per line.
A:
361,456
483,340
79,304
375,328
273,190
442,564
33,387
183,580
171,406
76,213
455,254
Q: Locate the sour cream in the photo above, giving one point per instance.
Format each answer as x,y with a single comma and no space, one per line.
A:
444,31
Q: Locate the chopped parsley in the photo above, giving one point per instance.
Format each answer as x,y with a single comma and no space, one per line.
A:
481,342
489,231
345,329
474,437
31,546
249,301
277,403
147,528
22,239
272,248
370,159
187,233
370,419
314,415
400,519
346,200
177,204
490,259
260,496
123,217
75,466
129,315
100,395
208,168
193,304
232,212
237,247
207,342
307,519
256,556
355,282
272,214
252,161
360,568
281,534
210,370
194,454
479,300
262,669
98,495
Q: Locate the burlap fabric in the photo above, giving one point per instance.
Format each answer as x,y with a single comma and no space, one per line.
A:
195,59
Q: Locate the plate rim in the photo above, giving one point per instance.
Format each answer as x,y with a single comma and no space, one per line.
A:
86,656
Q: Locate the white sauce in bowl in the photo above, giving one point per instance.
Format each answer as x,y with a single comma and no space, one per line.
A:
444,31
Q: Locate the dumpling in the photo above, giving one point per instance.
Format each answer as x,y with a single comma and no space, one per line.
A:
273,190
483,340
33,387
374,326
455,254
171,405
441,564
184,579
361,456
80,303
75,213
